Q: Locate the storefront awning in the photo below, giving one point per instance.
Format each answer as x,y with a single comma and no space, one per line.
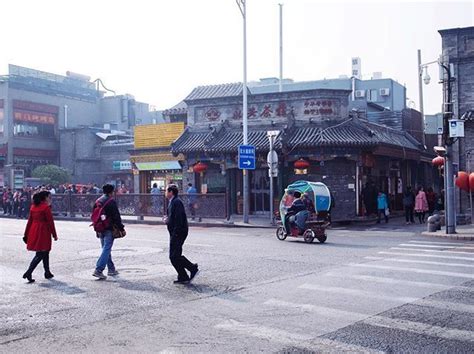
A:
161,165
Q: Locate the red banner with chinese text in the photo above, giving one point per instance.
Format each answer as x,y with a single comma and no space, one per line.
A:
39,118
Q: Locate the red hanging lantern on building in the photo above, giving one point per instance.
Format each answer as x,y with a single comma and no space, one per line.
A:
301,164
462,181
438,161
471,181
200,167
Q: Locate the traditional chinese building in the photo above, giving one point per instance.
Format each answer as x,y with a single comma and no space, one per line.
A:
319,140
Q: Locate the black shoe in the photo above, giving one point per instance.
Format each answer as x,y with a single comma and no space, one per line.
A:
194,272
181,281
48,275
28,276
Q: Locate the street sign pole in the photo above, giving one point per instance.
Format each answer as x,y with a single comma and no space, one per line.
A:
272,160
243,10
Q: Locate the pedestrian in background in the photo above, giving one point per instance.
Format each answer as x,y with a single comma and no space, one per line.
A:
38,232
177,224
110,213
192,199
382,207
421,205
431,198
409,204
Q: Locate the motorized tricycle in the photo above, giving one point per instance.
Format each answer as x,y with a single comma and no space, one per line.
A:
310,223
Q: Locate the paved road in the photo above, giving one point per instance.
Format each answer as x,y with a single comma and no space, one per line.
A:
380,289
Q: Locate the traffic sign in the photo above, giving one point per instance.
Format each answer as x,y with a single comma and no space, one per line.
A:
247,157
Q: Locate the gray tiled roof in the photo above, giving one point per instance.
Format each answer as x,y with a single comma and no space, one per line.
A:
215,91
180,108
351,133
226,140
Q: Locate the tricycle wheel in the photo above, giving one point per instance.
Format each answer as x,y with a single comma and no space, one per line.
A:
308,236
322,238
280,233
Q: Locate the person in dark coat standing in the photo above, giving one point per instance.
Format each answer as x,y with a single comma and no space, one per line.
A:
38,232
111,213
177,224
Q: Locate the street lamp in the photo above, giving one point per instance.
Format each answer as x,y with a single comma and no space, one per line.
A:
448,142
242,7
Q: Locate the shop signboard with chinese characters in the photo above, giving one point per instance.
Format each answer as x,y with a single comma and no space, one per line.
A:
121,165
300,108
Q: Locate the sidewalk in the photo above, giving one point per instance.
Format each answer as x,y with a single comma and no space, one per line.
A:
463,232
236,221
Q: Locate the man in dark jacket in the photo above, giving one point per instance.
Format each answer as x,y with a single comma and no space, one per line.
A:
297,206
111,213
177,224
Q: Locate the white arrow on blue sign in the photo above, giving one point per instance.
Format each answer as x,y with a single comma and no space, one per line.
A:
247,157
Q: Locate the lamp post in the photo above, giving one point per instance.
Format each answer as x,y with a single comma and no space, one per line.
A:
242,6
450,204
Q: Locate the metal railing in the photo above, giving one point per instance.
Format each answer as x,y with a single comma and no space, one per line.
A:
197,205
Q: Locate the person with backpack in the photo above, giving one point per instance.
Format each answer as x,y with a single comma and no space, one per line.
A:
38,232
107,222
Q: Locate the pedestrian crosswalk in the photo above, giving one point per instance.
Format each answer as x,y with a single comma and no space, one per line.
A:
394,289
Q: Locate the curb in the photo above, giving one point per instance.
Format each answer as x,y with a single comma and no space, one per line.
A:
461,237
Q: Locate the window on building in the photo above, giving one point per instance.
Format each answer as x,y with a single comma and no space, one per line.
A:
28,129
1,122
372,95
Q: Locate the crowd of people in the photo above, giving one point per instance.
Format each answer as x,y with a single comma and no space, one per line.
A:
419,203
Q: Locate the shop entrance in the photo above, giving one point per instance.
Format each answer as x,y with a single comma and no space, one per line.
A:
259,192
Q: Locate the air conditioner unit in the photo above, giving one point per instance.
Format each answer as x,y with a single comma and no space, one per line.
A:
384,92
360,93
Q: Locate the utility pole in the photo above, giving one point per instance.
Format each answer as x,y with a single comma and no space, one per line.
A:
450,202
243,10
280,86
420,93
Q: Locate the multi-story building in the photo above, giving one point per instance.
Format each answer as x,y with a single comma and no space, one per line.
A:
317,123
458,50
36,107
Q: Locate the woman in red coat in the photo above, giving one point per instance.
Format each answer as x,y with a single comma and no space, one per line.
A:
38,233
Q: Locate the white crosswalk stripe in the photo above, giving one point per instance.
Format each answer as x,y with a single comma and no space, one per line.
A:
421,328
445,305
323,311
427,256
432,251
401,282
402,260
288,338
436,246
415,270
440,243
356,292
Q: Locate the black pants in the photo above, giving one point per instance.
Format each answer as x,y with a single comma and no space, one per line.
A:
409,214
380,213
421,216
179,262
40,256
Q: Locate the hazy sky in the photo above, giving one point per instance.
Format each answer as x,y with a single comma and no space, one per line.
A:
159,50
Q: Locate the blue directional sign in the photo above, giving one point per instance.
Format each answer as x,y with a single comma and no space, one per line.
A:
247,157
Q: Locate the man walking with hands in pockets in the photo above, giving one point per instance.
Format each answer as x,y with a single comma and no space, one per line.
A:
177,224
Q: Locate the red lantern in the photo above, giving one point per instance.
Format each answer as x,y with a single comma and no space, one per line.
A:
471,181
301,164
438,161
200,167
462,181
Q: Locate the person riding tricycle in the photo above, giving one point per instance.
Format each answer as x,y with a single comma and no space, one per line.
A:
304,211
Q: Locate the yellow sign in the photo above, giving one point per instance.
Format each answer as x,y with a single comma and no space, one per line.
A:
156,157
157,135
